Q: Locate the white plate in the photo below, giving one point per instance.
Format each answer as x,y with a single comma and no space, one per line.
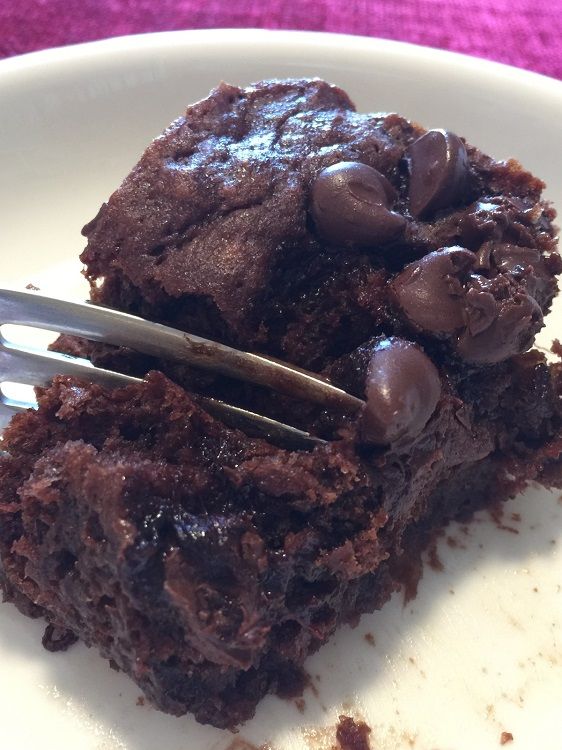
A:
478,652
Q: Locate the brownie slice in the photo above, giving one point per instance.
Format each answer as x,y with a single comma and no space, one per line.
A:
208,565
403,264
221,228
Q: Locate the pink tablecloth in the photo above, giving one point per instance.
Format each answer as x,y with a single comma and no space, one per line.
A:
526,33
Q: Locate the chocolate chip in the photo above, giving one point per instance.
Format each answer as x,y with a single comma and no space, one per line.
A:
485,220
487,320
525,264
350,205
515,259
438,165
402,390
480,310
484,257
430,293
509,328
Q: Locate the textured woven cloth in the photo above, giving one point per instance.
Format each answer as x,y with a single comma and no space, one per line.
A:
526,33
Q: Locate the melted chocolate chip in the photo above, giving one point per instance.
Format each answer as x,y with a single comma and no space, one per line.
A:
438,165
430,293
487,219
480,309
525,264
515,259
484,257
402,390
497,329
487,320
350,205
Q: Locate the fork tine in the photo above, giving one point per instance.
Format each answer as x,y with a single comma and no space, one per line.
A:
28,367
258,425
7,410
114,327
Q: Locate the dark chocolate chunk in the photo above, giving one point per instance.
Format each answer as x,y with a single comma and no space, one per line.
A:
438,165
430,293
350,205
402,390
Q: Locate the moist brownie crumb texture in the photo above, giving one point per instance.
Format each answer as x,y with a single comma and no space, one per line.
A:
404,265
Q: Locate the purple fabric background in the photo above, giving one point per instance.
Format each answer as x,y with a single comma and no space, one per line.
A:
526,33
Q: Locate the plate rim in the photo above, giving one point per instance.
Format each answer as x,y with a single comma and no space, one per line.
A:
86,56
92,51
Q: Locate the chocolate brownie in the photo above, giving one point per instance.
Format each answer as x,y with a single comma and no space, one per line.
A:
404,265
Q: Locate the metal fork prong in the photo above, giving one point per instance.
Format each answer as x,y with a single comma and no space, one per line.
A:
8,407
28,367
259,425
114,327
19,365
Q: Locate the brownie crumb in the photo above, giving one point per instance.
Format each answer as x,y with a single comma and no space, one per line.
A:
300,703
556,348
505,738
352,735
496,514
58,639
140,701
370,638
32,287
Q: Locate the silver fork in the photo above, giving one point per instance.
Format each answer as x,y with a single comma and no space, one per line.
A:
37,367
